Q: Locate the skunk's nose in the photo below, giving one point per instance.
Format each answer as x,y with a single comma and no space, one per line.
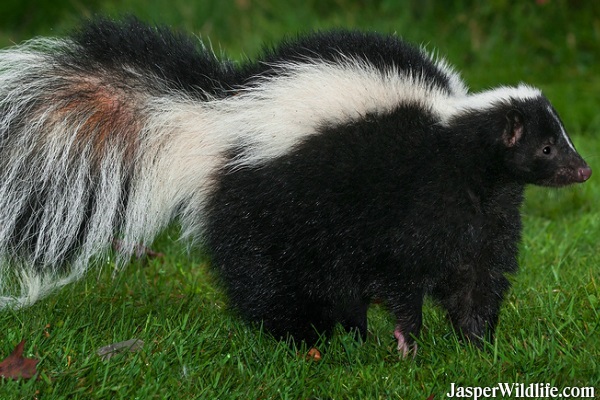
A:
584,174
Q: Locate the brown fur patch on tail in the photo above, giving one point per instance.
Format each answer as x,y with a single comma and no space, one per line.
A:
102,114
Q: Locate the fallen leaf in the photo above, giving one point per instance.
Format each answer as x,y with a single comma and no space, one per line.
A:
113,349
431,397
16,366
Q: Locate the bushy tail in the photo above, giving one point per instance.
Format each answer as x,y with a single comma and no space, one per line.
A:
86,153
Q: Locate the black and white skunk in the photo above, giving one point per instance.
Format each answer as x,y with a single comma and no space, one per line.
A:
339,168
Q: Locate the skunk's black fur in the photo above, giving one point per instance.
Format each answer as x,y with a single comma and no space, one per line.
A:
339,168
178,59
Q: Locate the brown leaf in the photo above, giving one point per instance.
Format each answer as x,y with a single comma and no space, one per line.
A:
431,397
107,352
16,366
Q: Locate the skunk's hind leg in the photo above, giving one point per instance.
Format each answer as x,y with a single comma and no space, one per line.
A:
354,318
300,320
308,321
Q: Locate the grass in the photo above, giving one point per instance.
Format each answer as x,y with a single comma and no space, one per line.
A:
195,348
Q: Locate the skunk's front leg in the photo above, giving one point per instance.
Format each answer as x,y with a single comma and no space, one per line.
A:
473,299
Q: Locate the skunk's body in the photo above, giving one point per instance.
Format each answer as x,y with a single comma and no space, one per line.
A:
339,168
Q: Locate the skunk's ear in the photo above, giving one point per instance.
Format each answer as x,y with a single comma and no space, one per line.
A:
513,130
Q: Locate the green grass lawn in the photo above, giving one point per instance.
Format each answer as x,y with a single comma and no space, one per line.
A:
194,347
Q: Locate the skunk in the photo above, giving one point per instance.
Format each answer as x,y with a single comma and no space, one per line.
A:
338,168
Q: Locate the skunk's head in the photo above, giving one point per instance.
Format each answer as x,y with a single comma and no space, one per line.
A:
537,147
531,144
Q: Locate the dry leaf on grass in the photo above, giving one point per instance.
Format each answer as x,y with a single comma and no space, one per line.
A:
113,349
16,366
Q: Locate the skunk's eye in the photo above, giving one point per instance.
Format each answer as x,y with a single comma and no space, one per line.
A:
547,150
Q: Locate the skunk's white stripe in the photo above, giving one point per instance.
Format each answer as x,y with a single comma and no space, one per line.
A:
489,99
275,113
562,128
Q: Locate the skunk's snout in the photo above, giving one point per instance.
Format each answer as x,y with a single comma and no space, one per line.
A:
584,173
568,175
